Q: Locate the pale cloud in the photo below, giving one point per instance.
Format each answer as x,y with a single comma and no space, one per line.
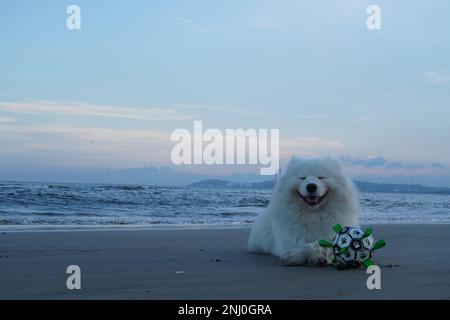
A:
6,119
308,147
311,143
380,165
171,112
220,109
255,114
366,161
182,21
92,110
124,148
362,119
437,77
96,147
111,147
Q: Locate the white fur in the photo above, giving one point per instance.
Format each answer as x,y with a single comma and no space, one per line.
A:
290,228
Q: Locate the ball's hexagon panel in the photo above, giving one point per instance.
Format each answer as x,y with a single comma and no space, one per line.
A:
356,245
356,233
368,242
349,255
343,240
363,254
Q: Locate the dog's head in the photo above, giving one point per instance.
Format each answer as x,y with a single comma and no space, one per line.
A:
313,183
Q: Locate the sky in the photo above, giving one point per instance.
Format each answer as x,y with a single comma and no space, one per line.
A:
110,94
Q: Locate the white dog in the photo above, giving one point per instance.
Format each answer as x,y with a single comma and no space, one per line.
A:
309,199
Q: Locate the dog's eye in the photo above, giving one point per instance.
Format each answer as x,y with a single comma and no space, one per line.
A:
302,178
321,178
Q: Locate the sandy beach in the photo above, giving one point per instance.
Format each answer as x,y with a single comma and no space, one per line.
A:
211,264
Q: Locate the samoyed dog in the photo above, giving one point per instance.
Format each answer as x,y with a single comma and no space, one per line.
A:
310,197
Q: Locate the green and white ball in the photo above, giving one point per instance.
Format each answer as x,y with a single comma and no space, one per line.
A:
350,247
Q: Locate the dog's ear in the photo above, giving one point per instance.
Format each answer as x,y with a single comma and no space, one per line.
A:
278,173
294,160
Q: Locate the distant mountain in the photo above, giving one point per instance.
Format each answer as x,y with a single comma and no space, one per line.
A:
399,188
171,176
149,175
362,186
218,183
438,181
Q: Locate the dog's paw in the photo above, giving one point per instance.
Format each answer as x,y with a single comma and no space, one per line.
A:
317,261
307,256
298,258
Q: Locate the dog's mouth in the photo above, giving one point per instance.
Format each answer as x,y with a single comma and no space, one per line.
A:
312,200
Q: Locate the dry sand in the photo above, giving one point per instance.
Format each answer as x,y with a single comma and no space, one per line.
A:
212,264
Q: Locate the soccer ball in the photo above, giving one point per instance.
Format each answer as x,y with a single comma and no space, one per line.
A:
352,246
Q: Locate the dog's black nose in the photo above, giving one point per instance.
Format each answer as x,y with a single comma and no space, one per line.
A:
311,187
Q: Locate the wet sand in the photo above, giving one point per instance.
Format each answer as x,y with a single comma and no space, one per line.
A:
211,264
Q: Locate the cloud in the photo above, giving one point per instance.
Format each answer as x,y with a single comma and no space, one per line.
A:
86,146
241,111
183,21
111,147
310,143
395,165
362,119
368,162
437,77
92,110
122,148
167,113
6,119
415,166
375,162
308,147
438,165
384,164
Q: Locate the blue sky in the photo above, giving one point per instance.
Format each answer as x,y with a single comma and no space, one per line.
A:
108,95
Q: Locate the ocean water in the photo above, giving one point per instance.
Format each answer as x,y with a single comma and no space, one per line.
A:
99,204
